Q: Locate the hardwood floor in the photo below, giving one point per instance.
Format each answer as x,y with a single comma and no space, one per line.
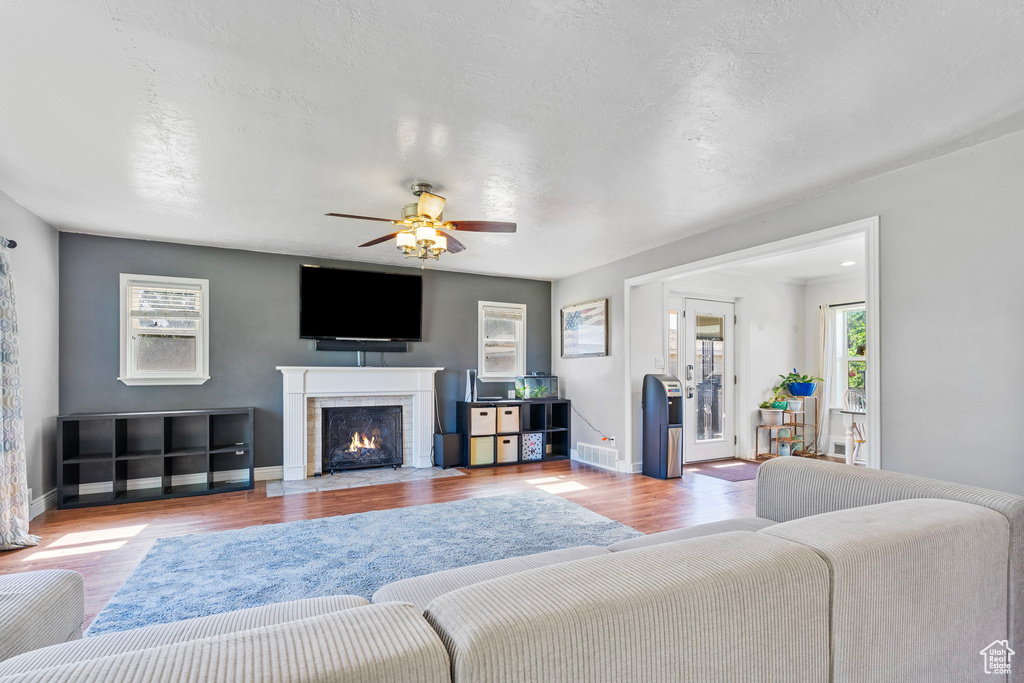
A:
106,543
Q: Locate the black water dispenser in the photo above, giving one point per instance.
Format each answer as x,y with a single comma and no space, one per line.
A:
662,426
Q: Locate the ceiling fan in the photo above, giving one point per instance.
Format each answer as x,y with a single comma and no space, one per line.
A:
423,233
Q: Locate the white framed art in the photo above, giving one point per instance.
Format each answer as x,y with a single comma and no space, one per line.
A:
585,329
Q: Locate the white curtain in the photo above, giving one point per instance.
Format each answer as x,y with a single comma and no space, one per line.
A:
14,504
828,372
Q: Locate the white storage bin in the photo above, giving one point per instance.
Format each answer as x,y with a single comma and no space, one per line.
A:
481,450
482,421
508,448
508,419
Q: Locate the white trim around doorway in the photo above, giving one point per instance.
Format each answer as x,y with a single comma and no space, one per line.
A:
869,227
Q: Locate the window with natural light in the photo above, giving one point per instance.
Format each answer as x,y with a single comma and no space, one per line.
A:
164,330
851,351
502,341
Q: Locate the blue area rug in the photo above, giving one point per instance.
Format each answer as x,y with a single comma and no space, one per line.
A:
200,574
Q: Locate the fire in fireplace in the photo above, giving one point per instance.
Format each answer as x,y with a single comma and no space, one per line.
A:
360,442
356,437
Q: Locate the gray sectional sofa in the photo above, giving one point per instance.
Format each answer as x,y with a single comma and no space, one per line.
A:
845,575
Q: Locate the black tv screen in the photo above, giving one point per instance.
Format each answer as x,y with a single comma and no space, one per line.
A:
357,304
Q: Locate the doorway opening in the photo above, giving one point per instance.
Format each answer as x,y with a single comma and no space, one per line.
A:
730,326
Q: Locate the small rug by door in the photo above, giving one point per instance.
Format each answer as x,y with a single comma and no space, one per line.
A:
200,574
732,469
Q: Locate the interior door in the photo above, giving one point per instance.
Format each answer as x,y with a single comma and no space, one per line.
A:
707,367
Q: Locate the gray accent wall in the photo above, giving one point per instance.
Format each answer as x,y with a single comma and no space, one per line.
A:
254,323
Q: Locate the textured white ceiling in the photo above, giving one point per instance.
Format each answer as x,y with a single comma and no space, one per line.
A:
819,262
601,127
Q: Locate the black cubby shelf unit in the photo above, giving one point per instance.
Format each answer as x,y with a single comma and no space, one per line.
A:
514,432
111,458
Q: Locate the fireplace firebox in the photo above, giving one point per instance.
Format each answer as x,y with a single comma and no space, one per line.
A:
357,437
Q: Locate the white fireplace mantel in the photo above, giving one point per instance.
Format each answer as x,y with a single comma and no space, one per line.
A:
302,383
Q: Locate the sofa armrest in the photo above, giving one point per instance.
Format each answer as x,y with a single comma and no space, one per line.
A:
156,635
40,608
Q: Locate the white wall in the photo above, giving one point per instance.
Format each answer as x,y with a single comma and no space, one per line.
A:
648,340
951,245
34,265
769,338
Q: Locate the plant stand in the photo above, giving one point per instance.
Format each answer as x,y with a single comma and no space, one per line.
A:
802,432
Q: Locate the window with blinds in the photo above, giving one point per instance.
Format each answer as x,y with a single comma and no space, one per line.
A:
164,330
502,341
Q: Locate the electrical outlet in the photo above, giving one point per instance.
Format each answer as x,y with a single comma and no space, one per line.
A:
659,363
611,441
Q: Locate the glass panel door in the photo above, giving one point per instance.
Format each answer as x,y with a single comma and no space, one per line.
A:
707,370
709,367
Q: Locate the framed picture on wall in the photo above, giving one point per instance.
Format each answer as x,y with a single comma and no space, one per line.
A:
585,329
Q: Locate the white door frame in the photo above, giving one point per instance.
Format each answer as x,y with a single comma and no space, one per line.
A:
869,227
723,447
741,346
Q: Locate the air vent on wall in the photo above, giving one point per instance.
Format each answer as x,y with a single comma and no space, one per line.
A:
839,448
598,456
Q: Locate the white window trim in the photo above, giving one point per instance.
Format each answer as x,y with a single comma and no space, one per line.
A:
842,360
202,374
521,349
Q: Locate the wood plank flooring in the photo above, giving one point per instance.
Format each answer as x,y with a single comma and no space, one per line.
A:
106,543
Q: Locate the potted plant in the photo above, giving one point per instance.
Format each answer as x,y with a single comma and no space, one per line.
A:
799,385
779,399
770,417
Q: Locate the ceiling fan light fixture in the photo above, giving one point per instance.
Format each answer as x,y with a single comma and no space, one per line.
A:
406,240
421,227
425,236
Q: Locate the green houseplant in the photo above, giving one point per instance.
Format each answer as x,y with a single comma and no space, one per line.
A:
779,399
799,385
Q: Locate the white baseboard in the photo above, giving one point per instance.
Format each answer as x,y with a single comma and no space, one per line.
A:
39,505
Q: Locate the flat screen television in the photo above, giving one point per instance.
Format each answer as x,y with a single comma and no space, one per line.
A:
360,305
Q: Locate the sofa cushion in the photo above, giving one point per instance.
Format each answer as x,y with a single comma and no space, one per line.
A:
726,607
420,590
40,608
927,574
790,488
340,647
738,524
178,632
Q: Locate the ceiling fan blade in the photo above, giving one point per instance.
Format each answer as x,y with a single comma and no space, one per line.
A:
430,205
379,240
362,218
454,246
483,226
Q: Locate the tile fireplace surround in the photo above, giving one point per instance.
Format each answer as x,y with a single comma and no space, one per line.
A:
309,389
